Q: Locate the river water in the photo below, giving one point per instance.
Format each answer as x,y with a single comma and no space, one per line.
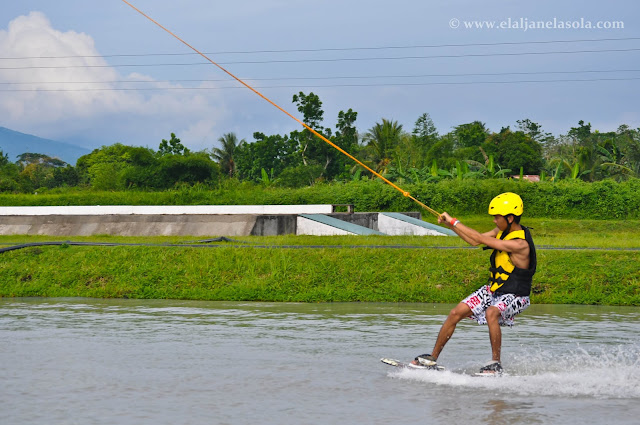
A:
86,361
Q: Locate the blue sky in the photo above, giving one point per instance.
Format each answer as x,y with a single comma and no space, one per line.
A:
467,74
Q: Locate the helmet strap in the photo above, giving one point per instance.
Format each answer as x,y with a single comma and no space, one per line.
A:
508,229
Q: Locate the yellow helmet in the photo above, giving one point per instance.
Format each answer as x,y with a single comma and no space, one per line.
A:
505,204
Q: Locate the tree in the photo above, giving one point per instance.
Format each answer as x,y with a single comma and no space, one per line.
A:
381,140
346,137
413,149
470,135
38,168
581,135
424,128
313,151
9,175
274,152
581,151
310,107
29,158
63,176
173,147
346,133
515,149
299,176
534,130
613,162
629,142
117,167
225,154
442,152
190,169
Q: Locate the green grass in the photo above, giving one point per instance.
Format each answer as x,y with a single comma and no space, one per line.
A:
546,232
347,273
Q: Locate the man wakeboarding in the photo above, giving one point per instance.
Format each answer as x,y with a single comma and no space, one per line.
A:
506,294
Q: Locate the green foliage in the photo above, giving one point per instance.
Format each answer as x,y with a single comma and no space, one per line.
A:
63,177
173,147
346,137
592,156
346,133
300,176
265,179
38,171
564,199
119,167
267,152
225,155
114,167
423,137
4,159
311,108
441,151
381,141
470,135
534,131
469,152
424,128
9,175
514,150
191,169
313,151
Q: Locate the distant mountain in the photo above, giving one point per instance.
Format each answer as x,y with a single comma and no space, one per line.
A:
14,143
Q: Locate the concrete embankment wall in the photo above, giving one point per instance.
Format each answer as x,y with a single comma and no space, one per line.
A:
172,220
167,210
129,225
200,220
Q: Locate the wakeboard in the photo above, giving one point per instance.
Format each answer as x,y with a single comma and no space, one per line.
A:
408,365
488,375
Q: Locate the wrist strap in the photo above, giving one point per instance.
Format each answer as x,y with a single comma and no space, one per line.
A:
454,221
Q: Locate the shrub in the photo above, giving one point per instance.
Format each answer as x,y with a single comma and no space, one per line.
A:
566,199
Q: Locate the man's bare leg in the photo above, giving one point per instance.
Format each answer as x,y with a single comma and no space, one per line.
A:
495,333
459,312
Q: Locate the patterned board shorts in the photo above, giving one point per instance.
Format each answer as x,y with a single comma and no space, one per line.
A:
508,304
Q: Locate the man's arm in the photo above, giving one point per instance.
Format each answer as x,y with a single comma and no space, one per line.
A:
475,238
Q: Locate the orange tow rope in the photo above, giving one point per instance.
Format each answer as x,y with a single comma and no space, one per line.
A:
405,193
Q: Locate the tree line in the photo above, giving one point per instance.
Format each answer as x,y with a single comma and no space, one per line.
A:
298,159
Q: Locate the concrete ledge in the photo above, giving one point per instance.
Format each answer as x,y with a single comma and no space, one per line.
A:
401,224
168,209
129,225
306,226
214,220
319,224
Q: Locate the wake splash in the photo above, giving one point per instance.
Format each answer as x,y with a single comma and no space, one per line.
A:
605,373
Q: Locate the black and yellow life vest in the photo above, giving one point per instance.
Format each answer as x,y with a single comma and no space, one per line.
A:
504,276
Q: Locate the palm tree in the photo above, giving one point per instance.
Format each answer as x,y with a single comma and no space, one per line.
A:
381,140
225,155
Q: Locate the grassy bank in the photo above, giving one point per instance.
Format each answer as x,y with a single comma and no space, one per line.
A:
352,272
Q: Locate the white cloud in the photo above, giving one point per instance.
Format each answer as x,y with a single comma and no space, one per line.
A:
103,116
